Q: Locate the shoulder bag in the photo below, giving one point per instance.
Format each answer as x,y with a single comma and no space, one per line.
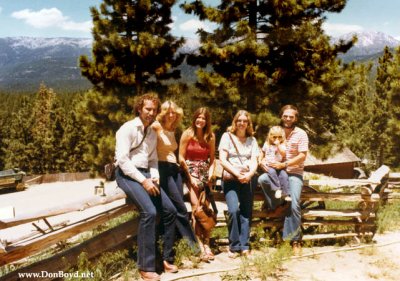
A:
203,214
227,176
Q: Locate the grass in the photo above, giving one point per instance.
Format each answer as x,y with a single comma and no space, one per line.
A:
389,217
106,266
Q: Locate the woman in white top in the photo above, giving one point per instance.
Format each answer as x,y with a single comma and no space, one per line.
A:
238,152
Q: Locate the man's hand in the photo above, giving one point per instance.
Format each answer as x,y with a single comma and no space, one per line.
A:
151,187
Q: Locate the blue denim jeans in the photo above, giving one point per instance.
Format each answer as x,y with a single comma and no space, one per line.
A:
278,179
239,198
291,226
171,183
149,207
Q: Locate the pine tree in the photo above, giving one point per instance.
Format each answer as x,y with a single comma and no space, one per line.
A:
133,51
19,137
45,151
264,54
355,111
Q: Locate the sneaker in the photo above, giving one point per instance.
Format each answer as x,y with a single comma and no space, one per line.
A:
278,194
287,198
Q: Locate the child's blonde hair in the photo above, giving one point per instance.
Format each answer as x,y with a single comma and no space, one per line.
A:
275,130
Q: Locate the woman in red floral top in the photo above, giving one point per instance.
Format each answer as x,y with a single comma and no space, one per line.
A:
196,157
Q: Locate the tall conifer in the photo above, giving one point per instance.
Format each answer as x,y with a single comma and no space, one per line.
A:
264,54
133,51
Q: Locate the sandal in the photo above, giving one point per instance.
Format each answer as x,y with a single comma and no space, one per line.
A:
209,253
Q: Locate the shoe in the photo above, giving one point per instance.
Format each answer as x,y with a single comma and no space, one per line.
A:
278,212
171,268
246,253
287,198
149,276
296,247
232,255
278,194
209,253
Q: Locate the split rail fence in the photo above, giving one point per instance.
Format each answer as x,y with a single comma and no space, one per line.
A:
366,194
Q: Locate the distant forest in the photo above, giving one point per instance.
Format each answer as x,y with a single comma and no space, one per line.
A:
260,57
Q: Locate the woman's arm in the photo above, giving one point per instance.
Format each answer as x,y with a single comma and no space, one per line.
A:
212,158
186,136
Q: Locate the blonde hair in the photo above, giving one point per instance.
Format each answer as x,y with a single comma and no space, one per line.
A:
164,110
249,129
208,134
275,130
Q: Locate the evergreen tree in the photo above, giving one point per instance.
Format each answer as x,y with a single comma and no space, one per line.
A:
19,137
355,111
47,131
133,51
265,54
387,108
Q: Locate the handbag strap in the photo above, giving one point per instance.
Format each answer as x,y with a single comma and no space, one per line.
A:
237,150
144,136
210,197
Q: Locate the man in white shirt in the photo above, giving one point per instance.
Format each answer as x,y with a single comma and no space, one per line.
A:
137,175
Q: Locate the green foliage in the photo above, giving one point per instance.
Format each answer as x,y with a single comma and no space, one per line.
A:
389,217
106,266
133,51
264,54
40,133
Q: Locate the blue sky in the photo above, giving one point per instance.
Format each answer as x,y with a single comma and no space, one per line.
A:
71,18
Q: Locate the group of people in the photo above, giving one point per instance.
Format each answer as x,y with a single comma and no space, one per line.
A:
152,167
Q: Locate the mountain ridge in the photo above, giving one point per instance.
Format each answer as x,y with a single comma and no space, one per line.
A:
27,61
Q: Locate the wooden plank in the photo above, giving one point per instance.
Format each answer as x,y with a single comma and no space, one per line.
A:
336,213
321,236
7,212
120,236
81,205
349,197
24,249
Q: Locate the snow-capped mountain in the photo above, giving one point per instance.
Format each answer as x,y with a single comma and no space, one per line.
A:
29,60
368,43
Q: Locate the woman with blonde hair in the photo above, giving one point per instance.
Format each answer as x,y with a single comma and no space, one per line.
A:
238,153
170,178
196,156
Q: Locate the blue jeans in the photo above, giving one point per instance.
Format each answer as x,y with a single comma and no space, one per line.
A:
171,183
239,198
291,226
149,207
278,179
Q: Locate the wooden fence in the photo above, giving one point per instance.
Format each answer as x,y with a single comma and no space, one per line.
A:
366,194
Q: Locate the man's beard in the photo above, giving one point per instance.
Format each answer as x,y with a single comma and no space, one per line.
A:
287,126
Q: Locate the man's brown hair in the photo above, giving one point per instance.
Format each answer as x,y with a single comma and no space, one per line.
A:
151,96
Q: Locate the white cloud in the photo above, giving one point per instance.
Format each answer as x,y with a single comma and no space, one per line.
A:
397,38
337,29
193,25
50,18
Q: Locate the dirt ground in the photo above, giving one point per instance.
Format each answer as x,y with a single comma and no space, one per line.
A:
376,261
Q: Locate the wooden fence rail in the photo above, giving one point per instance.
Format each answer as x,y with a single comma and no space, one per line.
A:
366,194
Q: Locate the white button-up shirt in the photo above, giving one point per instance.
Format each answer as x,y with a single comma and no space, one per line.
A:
130,135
